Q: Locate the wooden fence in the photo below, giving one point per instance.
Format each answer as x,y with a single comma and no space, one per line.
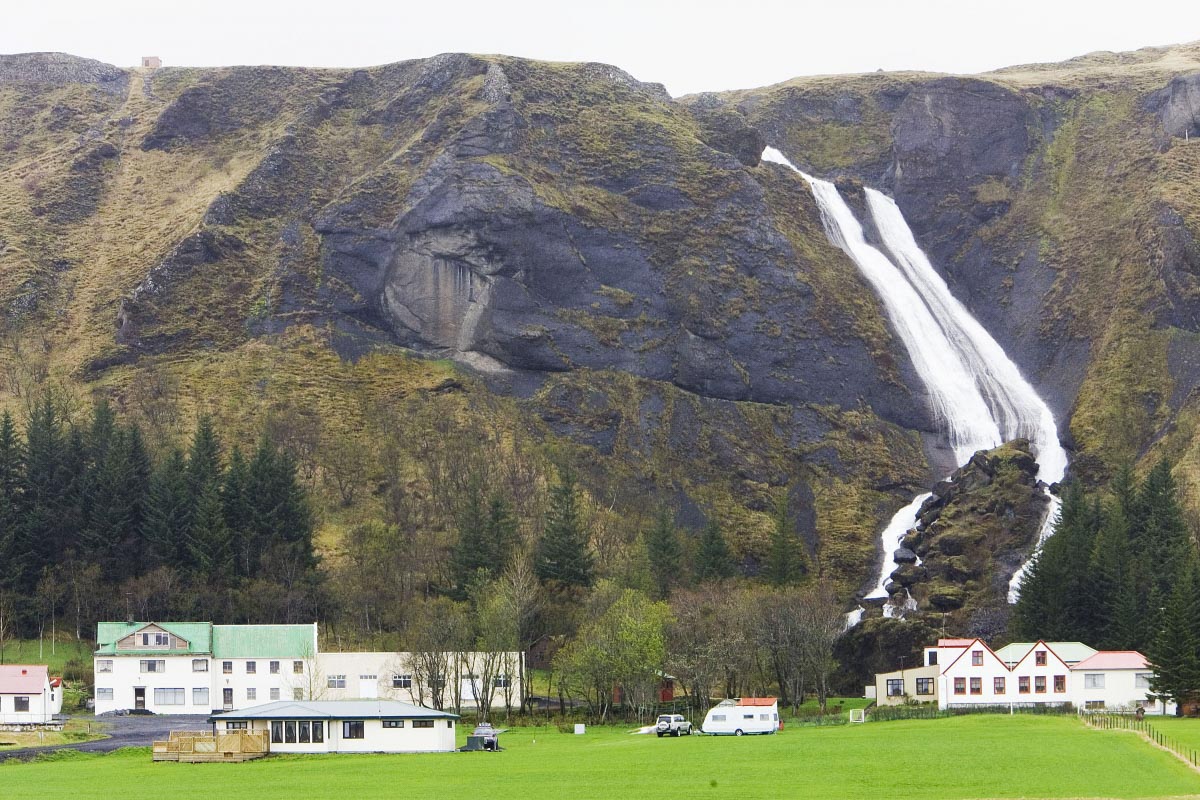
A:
195,747
1124,722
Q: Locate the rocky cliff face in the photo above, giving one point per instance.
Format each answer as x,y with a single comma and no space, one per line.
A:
617,261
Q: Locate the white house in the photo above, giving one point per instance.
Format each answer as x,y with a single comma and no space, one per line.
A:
1115,680
28,695
966,672
345,726
201,668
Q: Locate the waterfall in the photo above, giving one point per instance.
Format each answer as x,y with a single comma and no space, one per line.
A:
977,394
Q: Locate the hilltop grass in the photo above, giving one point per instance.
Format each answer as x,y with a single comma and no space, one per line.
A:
965,757
54,655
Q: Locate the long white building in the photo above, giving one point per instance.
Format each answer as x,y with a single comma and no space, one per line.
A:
202,668
966,672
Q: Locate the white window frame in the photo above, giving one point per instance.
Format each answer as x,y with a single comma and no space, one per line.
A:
104,694
164,696
1093,680
104,665
199,665
159,666
200,696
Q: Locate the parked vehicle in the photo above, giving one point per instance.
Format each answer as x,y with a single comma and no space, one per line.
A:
743,715
673,724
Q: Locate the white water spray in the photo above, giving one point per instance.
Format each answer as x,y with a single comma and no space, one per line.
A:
975,390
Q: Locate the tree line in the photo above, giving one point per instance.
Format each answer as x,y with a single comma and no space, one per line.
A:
1121,572
94,525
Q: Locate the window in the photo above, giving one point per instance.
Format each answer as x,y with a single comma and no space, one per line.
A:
237,726
895,687
251,667
931,660
227,667
960,685
1039,684
104,695
276,732
156,640
169,697
450,722
368,677
274,667
764,717
924,685
1142,680
1023,684
997,685
393,723
289,732
402,681
501,682
437,682
297,694
336,682
318,731
199,665
1039,658
104,665
1060,683
20,704
303,736
976,658
976,685
1093,704
744,716
297,667
274,694
200,696
153,665
352,729
252,694
428,723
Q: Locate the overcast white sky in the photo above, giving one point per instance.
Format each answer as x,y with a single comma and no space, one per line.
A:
690,47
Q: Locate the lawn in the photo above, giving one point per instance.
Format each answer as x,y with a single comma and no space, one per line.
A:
76,730
963,757
53,654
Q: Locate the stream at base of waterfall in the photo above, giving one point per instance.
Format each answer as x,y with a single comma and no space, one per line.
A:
978,396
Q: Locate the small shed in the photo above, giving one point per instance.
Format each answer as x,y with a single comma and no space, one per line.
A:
151,62
345,726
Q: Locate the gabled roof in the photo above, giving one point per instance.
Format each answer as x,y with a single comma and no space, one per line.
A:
1114,659
971,646
335,709
954,642
23,678
1068,652
1040,645
264,641
198,635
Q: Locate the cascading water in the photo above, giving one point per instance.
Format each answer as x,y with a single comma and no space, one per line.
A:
976,391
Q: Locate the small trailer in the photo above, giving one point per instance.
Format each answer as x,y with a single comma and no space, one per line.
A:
743,716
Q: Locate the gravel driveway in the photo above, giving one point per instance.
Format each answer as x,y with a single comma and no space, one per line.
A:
131,731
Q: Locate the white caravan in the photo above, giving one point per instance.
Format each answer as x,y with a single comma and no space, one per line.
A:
744,715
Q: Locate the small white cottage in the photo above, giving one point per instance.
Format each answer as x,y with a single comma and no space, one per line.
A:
345,726
28,695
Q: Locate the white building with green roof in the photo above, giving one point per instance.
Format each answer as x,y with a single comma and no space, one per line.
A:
202,668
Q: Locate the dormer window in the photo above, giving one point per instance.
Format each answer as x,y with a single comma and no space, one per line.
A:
1039,657
156,640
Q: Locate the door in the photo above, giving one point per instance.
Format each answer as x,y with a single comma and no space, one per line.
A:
227,699
368,686
139,698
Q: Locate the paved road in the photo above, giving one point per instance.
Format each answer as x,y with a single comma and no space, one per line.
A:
131,731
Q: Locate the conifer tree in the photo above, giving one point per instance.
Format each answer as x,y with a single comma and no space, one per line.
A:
11,475
561,556
472,554
168,517
713,561
209,544
501,532
1173,652
785,561
664,553
239,514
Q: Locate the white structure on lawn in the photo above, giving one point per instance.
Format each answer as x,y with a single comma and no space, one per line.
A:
202,668
743,715
28,695
345,726
966,672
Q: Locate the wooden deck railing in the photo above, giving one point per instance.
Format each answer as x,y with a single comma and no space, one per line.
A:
193,746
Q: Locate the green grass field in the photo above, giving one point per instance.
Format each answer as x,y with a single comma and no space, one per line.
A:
27,651
963,757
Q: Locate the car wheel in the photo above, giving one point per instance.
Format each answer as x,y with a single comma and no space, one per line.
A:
660,734
738,732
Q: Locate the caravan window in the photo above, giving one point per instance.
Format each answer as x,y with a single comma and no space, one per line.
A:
747,716
718,717
765,717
